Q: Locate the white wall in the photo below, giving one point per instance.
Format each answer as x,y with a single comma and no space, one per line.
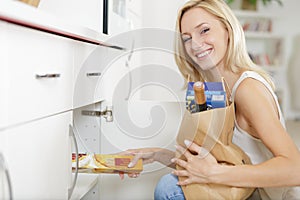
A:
161,14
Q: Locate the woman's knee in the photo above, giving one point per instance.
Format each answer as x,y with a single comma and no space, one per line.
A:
167,189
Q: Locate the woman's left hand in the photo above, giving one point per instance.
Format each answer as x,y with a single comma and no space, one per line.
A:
197,167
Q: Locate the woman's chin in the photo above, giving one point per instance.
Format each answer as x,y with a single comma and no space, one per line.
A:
206,68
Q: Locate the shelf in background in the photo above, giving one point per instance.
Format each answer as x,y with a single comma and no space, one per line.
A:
252,14
261,35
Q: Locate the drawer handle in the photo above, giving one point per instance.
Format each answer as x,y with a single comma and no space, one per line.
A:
71,134
4,168
93,74
38,76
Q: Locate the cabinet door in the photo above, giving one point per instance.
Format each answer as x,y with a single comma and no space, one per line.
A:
87,13
37,156
39,75
89,66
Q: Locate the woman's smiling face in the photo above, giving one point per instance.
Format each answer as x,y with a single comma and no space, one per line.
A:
205,38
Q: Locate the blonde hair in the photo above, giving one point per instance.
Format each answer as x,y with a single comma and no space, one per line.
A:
236,59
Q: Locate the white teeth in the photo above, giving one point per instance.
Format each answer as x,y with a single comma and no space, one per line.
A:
203,54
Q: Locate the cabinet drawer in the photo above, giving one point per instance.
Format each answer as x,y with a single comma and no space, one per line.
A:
89,69
38,69
37,156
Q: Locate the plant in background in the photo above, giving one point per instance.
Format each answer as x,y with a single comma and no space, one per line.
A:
253,2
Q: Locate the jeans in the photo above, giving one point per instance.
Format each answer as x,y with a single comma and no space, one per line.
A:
167,189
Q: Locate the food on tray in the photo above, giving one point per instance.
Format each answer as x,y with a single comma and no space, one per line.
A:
116,163
84,160
105,163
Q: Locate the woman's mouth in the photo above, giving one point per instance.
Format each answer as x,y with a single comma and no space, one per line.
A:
203,54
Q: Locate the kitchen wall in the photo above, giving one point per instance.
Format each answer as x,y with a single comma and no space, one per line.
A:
286,24
162,16
152,113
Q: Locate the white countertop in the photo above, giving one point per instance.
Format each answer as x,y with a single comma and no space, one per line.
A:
26,15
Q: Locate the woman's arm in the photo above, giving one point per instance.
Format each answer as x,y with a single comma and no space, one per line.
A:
257,108
150,155
257,115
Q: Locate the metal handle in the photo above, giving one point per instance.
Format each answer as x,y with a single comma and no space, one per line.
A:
71,134
6,172
107,113
38,76
91,74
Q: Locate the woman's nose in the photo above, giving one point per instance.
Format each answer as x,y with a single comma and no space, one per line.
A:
197,44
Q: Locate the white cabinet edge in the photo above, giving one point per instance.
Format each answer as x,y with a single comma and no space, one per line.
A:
21,13
84,183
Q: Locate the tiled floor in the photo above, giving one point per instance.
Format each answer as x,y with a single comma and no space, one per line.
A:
293,128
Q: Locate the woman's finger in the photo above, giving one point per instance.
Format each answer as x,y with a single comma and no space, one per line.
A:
192,146
180,173
121,174
179,162
202,152
183,151
184,182
133,175
135,160
127,152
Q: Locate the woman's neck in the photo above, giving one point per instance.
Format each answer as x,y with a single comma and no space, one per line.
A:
230,77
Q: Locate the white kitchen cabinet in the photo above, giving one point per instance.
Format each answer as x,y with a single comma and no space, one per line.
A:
38,74
37,156
87,187
36,111
88,70
48,68
87,13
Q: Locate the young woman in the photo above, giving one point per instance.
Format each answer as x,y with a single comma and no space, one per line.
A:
212,40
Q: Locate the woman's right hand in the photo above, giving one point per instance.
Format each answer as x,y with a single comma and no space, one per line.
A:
148,155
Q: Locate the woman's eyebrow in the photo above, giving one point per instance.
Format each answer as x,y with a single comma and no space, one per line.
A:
197,26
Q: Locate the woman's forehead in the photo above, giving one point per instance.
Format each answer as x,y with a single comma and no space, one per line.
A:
195,17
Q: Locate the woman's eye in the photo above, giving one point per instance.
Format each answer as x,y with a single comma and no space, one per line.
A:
186,39
205,30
